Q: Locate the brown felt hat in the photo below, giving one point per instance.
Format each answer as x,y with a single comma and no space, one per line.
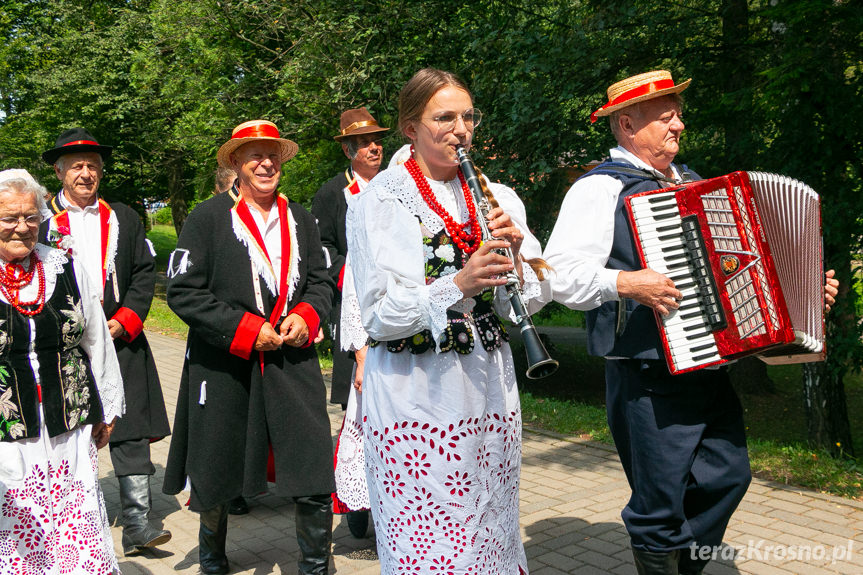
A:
638,89
357,121
251,131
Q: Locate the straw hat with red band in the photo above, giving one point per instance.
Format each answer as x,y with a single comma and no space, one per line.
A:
638,89
75,140
253,131
357,121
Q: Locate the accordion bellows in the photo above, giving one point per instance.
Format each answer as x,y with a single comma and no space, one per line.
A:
746,252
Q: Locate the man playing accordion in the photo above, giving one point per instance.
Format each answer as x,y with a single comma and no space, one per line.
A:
680,438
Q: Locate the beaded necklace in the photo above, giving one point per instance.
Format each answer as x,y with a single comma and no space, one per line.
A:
468,242
13,278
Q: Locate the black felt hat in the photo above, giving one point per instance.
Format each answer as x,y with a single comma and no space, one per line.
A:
75,140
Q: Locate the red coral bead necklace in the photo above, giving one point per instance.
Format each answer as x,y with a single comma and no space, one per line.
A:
13,277
467,242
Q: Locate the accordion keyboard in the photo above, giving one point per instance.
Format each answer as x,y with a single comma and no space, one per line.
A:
672,245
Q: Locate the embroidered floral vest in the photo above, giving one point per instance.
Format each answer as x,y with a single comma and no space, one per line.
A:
443,257
69,395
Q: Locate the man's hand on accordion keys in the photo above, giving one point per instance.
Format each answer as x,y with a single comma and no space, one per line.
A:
650,288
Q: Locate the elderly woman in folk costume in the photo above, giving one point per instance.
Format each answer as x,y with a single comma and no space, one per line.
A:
60,393
442,422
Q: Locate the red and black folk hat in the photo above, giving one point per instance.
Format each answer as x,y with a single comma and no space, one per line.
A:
75,140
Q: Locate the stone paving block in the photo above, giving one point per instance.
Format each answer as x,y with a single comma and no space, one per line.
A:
598,545
828,516
556,560
784,505
600,560
589,570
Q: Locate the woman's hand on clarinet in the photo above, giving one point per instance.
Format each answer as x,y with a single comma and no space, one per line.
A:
502,227
485,268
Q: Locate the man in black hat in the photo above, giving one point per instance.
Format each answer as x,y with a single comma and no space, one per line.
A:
360,137
108,242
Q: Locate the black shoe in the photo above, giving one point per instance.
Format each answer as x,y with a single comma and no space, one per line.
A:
138,534
238,506
212,534
358,523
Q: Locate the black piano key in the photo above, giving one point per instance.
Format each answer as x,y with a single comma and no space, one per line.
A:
701,347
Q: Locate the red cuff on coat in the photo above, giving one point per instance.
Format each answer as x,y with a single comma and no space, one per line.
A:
341,278
246,335
313,322
130,322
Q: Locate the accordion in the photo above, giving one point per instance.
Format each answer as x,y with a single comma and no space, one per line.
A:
745,250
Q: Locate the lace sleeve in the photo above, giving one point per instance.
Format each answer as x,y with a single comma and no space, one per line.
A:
352,335
99,346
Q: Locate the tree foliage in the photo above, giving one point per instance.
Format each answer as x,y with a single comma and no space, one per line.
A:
776,86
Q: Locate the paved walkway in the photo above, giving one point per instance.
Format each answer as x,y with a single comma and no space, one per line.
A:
572,492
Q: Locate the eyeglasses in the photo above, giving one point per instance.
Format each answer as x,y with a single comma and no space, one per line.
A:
11,222
471,117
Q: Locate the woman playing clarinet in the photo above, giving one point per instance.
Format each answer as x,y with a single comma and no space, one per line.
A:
442,422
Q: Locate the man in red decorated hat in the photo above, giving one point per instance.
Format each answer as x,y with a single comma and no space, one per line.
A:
680,438
361,138
249,276
107,240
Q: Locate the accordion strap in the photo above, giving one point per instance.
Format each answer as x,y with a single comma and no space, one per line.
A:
644,174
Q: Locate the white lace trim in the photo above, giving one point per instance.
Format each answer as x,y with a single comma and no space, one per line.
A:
352,335
443,294
111,248
53,261
350,469
399,184
262,265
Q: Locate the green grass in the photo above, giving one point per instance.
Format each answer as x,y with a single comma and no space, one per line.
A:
164,240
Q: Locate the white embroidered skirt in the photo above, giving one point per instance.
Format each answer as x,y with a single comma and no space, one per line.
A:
443,457
350,468
52,513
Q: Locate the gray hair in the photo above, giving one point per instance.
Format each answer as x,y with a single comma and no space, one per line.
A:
21,182
352,147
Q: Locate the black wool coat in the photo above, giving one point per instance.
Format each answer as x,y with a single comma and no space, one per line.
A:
330,208
135,267
230,409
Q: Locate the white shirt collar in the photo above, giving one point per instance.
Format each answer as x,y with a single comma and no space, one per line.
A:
64,201
621,153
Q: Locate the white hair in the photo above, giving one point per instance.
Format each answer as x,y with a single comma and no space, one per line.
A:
21,182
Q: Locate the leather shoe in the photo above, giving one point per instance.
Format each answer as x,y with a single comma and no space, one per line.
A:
238,506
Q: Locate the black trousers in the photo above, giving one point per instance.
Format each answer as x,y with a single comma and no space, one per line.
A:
131,457
681,440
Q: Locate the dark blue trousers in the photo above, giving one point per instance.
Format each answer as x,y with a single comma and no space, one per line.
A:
682,443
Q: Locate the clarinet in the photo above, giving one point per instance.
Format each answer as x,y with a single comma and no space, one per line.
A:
539,363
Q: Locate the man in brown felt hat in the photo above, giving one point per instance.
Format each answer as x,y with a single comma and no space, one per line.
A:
360,137
108,242
680,438
249,276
